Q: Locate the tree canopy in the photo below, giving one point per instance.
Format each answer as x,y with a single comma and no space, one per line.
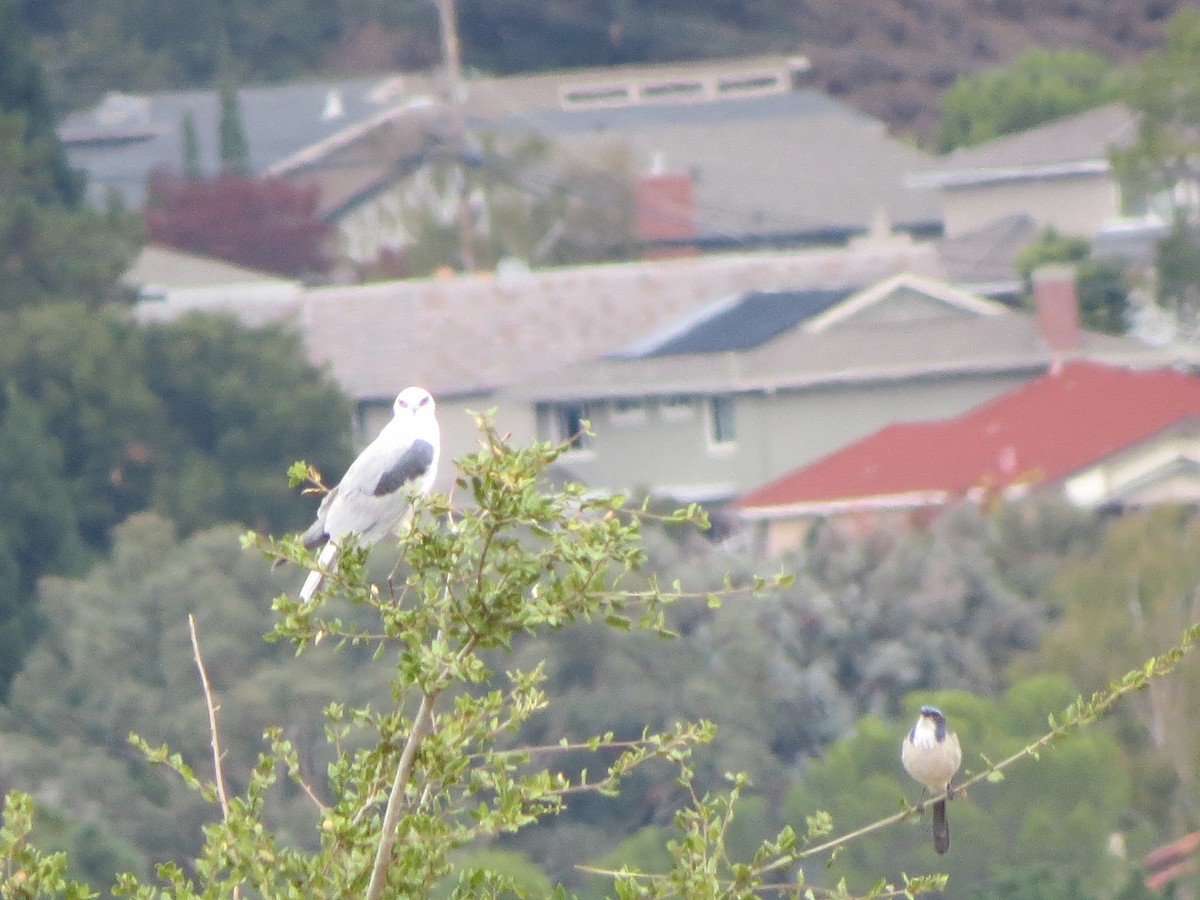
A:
262,223
1039,86
23,90
1159,170
454,729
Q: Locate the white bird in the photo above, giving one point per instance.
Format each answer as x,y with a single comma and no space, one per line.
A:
373,497
931,754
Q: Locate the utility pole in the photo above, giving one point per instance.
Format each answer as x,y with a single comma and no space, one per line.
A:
452,60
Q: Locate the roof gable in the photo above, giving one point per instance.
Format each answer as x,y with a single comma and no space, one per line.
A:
903,297
746,321
1045,430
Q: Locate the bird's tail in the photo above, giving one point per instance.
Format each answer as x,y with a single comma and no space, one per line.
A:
313,581
941,827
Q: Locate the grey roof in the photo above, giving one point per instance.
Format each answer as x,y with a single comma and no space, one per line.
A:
739,322
796,164
471,334
1076,144
780,162
166,267
982,260
864,353
121,140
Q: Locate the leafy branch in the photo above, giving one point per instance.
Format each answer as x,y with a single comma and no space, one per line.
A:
701,849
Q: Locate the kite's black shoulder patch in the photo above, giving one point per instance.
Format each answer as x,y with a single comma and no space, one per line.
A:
412,465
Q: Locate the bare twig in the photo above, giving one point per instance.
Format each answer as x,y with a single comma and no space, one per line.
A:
219,775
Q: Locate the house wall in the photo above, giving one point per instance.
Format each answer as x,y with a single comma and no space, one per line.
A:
1163,470
1078,205
666,444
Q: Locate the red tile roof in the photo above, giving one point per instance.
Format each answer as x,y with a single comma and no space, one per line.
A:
1042,431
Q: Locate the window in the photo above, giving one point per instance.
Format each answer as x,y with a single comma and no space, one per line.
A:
596,95
564,424
722,431
628,411
671,90
765,83
677,408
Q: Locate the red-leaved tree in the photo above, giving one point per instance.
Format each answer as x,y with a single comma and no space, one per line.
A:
263,223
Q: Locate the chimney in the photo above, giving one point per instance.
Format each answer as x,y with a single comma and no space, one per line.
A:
666,215
1057,308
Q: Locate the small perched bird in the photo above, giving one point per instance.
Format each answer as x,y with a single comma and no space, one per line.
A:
931,754
374,495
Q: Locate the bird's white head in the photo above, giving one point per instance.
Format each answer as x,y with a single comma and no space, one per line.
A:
414,401
931,722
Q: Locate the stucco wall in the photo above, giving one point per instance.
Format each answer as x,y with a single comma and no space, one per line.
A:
1077,205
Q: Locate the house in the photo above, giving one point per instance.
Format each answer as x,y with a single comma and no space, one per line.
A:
746,388
766,161
469,338
1058,174
170,283
123,139
1097,434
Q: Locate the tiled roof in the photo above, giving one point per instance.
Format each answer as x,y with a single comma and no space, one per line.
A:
793,164
983,259
814,166
1005,343
1075,143
971,336
468,334
1045,430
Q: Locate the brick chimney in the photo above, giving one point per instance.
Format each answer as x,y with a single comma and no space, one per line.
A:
1056,306
666,214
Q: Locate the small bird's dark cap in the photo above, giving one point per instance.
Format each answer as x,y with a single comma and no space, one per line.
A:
932,712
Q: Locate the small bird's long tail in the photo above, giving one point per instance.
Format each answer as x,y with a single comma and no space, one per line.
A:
941,827
313,581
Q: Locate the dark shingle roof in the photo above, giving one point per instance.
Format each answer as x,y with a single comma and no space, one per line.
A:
743,322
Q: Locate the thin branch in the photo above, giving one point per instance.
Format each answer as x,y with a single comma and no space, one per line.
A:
212,718
212,730
422,725
1099,703
1080,713
391,817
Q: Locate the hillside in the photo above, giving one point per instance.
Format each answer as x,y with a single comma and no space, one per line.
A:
893,59
890,58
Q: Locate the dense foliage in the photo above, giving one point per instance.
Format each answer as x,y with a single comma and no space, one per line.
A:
102,418
261,223
23,90
491,596
525,200
1159,170
781,675
1039,86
